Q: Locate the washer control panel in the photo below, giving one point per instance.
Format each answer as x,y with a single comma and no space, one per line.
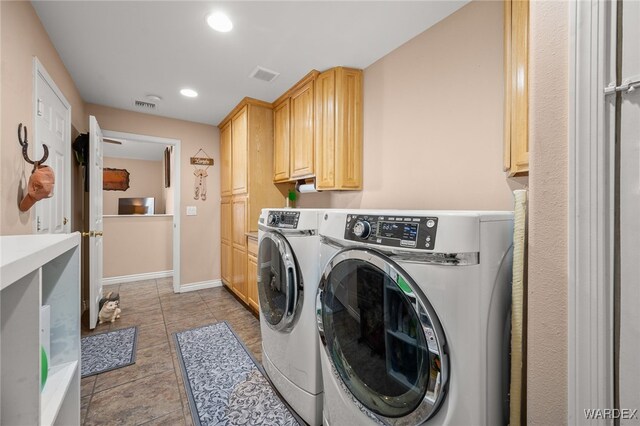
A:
283,219
393,231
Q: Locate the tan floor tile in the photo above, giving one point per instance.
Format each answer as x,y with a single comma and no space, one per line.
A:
174,418
152,335
86,385
175,313
136,402
149,361
139,318
84,407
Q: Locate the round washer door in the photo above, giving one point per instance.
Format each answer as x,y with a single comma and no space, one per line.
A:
382,336
279,282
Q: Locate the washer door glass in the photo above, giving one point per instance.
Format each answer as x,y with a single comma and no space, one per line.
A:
382,336
279,285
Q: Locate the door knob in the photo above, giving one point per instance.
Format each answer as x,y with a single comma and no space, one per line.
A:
87,234
98,233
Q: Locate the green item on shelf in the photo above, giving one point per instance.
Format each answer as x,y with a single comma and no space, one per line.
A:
44,367
292,195
404,285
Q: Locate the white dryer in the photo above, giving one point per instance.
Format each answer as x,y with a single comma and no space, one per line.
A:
288,275
412,314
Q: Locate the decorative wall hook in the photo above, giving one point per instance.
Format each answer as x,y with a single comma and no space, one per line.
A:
25,146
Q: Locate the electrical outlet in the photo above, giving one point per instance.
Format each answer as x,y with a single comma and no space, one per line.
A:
192,211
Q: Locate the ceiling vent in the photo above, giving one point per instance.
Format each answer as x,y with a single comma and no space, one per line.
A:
264,74
150,106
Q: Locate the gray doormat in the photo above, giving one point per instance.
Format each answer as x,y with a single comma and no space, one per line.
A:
225,384
108,351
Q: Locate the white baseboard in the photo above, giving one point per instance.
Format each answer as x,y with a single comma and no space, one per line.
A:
137,277
184,288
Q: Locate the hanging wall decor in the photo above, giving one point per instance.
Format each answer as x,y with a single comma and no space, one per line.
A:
167,166
115,179
200,165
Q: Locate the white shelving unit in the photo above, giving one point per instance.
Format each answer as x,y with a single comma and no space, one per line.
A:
38,270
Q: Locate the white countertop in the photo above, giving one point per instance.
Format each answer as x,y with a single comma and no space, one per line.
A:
22,254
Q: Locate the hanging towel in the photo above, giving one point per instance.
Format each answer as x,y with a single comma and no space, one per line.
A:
517,305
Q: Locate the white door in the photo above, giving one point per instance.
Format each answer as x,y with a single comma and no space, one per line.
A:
629,218
95,219
53,128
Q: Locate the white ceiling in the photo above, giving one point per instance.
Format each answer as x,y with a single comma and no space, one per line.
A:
117,52
133,149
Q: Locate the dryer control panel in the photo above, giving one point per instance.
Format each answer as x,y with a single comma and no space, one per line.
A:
393,231
283,219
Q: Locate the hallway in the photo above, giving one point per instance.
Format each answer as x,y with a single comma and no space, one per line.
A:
151,391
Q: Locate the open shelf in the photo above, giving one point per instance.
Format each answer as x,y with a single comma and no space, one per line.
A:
37,270
55,391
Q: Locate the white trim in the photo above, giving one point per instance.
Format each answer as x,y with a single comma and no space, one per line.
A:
200,285
136,277
39,69
590,322
176,193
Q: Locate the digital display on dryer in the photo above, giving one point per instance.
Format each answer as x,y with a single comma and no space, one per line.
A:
398,230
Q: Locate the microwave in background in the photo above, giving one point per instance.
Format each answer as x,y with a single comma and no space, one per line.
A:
136,205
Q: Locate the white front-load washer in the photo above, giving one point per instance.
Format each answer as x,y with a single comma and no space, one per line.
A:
288,275
412,316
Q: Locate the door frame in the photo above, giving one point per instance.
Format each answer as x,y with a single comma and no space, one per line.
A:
176,194
39,69
591,211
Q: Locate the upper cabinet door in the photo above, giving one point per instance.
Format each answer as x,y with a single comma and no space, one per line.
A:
239,137
516,64
281,131
225,163
339,129
325,139
302,129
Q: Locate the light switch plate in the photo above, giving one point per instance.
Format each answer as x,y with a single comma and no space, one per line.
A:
192,210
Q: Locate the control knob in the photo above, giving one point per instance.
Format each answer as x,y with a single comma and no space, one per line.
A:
273,219
362,229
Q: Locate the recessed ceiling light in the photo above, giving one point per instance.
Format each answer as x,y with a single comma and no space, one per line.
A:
189,93
220,22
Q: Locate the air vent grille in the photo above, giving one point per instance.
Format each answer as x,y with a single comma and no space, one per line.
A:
264,74
145,105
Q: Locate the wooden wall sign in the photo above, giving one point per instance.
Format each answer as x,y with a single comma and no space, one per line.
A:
115,179
202,161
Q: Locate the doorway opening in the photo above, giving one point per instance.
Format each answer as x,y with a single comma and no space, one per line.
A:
141,203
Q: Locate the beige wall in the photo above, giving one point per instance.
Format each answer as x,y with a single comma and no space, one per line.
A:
433,117
548,211
137,245
200,245
23,37
145,180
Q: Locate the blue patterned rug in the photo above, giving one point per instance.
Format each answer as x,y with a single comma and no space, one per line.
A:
225,384
108,351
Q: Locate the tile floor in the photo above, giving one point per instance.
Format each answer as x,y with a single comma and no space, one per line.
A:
151,391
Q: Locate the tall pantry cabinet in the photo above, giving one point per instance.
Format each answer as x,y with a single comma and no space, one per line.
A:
246,150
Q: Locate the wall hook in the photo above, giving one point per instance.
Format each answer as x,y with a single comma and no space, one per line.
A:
25,146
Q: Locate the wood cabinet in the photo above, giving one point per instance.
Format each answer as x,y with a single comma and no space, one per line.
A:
302,132
225,160
252,273
338,129
516,64
226,226
320,121
248,130
240,145
281,141
240,273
